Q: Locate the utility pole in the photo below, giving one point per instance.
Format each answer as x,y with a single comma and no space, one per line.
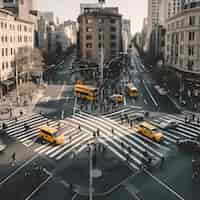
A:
91,178
16,82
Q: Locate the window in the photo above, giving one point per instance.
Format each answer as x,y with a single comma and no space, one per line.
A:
113,45
88,55
89,21
88,45
99,45
190,65
88,37
181,49
6,51
182,36
113,37
191,50
2,52
3,66
191,36
112,21
192,20
113,29
88,29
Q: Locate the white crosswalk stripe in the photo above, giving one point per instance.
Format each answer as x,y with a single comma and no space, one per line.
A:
125,141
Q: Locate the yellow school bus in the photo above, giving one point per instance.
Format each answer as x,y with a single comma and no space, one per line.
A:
132,91
150,131
85,92
51,135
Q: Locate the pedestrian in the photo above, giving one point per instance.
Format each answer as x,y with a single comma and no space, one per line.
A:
193,117
13,158
145,154
4,125
79,127
15,119
98,131
186,118
47,122
59,125
131,123
129,149
94,134
198,120
112,132
162,162
70,139
122,145
21,113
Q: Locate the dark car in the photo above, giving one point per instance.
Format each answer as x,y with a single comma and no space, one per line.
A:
189,145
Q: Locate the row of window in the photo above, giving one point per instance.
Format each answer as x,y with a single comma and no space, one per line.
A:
90,21
5,65
112,37
112,45
19,27
193,20
7,52
90,29
13,39
190,49
191,36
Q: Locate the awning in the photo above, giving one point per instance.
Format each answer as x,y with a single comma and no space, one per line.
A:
7,83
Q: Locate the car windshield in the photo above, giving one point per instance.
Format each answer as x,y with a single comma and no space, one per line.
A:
56,134
154,129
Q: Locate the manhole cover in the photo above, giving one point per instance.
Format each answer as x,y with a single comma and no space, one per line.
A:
96,173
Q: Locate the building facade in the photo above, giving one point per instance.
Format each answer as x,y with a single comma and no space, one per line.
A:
126,34
182,41
15,35
100,28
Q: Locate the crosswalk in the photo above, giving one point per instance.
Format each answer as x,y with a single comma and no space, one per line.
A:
120,139
76,140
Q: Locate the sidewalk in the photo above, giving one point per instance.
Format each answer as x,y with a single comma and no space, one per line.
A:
17,108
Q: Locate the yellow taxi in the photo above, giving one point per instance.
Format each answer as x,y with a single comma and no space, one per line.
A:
51,135
150,131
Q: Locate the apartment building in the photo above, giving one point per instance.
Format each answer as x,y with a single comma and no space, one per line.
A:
100,28
16,35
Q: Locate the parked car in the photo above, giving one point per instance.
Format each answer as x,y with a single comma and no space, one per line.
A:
189,145
168,124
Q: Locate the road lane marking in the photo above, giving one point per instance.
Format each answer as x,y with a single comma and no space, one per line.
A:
164,185
39,187
18,169
60,93
148,91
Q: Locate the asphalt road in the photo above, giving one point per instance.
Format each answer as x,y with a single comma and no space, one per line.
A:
58,100
149,97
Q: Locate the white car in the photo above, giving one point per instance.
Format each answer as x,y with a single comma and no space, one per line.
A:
168,124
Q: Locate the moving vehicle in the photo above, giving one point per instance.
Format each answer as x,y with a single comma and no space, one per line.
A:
117,98
51,135
189,145
150,131
132,91
168,124
160,90
85,92
2,146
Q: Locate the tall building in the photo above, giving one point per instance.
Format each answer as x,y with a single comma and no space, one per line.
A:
22,8
174,7
126,34
182,44
16,39
100,28
49,17
153,13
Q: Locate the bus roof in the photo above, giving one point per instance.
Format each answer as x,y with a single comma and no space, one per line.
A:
49,129
87,87
148,125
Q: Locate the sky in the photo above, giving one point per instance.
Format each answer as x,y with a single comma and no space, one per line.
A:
135,10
